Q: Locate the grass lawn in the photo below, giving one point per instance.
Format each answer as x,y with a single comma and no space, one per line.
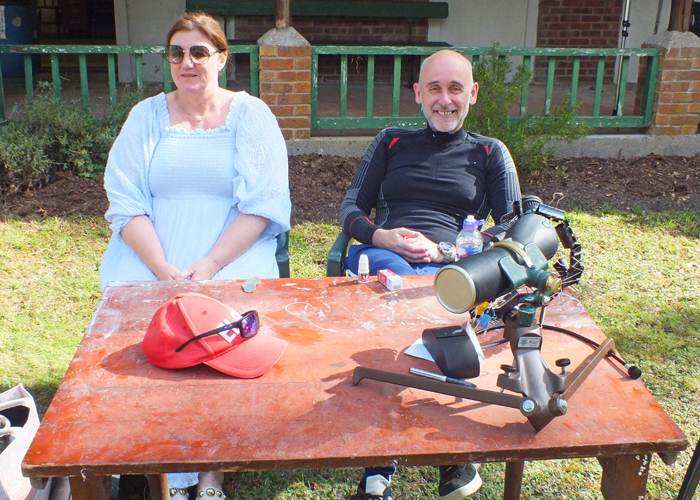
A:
641,285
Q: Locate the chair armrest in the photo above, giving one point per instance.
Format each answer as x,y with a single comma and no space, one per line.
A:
282,254
337,254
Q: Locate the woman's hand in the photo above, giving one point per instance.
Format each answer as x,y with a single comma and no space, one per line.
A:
411,245
167,272
203,269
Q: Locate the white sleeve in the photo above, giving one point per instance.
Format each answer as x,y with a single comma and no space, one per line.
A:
262,185
126,175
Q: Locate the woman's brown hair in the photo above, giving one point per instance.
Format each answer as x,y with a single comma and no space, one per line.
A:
203,23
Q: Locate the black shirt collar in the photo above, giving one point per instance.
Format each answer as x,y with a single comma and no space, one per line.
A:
445,137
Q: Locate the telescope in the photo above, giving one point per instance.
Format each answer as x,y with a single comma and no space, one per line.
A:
518,260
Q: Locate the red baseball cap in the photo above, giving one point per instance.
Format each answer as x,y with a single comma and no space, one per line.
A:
190,314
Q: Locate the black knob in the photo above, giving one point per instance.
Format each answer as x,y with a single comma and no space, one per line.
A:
561,363
508,369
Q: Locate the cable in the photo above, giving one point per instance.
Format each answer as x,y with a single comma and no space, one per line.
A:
633,371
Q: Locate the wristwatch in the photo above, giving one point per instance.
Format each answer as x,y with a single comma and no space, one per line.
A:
448,250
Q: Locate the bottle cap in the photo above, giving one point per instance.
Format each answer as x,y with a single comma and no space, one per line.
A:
363,266
471,223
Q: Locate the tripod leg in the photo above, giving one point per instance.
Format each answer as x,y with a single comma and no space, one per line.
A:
692,476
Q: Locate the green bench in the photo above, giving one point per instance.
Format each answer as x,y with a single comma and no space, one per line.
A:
326,8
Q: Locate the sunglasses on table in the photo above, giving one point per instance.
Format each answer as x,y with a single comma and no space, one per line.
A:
198,53
248,326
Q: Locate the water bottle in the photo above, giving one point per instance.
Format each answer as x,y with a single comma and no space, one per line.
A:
469,240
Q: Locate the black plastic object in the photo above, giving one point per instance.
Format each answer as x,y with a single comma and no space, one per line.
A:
453,351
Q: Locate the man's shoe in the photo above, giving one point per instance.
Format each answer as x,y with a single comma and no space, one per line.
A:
376,487
458,481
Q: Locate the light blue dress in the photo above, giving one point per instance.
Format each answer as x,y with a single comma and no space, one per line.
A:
192,184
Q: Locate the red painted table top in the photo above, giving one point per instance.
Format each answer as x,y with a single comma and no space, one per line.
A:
115,413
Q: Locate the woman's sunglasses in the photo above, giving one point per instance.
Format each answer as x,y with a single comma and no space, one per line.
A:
246,327
198,53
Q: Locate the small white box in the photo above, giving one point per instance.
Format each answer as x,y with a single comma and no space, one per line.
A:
390,279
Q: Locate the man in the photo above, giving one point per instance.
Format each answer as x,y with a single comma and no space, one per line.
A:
422,185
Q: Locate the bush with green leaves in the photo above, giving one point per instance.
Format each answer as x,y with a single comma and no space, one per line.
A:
500,90
48,134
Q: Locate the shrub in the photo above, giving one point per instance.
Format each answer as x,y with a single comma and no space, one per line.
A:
526,137
48,134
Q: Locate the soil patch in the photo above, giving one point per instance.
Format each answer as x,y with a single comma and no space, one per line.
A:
318,185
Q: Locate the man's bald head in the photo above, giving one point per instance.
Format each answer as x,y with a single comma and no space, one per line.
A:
446,89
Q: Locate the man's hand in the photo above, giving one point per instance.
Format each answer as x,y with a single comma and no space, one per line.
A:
411,245
203,269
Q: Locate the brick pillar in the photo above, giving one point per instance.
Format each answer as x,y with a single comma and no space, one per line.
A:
285,80
677,99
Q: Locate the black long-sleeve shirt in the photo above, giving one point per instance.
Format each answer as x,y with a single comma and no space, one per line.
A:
429,182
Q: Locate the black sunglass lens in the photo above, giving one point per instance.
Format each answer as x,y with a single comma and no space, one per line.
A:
199,53
249,325
174,54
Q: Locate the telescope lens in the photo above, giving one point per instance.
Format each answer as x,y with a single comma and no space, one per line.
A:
455,289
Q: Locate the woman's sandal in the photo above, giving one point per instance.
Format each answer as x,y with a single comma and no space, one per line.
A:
211,493
179,494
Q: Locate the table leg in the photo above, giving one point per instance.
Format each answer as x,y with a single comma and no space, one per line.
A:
158,484
514,480
625,476
90,487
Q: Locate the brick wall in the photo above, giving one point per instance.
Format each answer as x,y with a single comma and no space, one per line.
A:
580,24
285,80
677,98
330,30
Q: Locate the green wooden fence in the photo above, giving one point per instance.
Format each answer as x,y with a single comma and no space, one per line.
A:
395,119
110,51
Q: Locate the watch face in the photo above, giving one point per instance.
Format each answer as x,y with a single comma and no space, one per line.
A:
446,246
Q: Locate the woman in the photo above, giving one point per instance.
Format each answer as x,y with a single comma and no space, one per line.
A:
197,183
197,179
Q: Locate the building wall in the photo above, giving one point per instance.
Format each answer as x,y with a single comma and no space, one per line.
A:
471,23
578,24
481,23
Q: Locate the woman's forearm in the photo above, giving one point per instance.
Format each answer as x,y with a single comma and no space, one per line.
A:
141,236
237,239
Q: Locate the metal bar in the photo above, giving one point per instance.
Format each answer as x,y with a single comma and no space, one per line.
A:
28,77
370,86
343,85
254,74
387,49
575,70
527,61
397,87
460,391
55,76
550,85
692,476
598,86
649,88
82,64
222,78
112,76
576,378
622,85
419,121
314,89
167,81
138,69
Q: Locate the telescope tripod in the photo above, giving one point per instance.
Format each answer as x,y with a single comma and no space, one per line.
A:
543,393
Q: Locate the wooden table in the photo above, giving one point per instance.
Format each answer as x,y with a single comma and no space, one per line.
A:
114,413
